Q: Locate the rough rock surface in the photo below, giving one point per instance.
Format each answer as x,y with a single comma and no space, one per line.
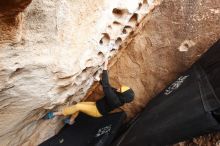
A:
51,53
170,39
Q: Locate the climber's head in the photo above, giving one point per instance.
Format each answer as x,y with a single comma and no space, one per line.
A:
126,94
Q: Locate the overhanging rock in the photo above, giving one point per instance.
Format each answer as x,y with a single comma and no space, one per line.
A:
51,53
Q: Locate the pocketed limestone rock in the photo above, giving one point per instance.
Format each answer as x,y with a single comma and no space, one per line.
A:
50,54
52,51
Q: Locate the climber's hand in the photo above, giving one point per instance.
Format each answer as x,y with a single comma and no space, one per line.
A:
106,64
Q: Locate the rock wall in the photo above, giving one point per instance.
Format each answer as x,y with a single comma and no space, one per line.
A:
173,36
51,53
168,41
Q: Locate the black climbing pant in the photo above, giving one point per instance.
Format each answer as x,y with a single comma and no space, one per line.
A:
187,108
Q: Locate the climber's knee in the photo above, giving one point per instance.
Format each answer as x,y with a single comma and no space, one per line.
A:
89,109
70,110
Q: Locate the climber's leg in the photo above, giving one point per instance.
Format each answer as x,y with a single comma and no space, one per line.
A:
57,113
70,110
88,108
51,115
87,103
72,118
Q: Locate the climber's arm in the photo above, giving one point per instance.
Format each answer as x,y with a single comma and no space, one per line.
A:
110,96
105,81
107,89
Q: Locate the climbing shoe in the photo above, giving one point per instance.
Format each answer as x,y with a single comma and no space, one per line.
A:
49,115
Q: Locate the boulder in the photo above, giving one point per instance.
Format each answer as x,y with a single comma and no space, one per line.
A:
52,52
50,55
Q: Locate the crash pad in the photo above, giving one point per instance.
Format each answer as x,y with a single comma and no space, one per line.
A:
88,131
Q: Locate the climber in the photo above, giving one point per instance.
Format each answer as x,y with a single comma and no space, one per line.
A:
113,98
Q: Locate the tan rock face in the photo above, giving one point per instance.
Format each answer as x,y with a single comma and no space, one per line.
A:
12,7
173,36
11,20
50,55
